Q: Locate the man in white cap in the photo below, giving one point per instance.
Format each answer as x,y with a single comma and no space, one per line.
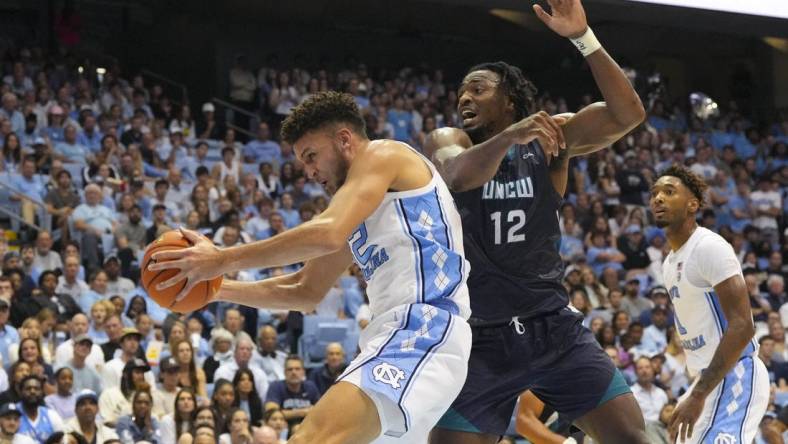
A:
129,346
207,126
9,425
85,422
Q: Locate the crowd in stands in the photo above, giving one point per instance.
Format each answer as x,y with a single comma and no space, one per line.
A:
112,163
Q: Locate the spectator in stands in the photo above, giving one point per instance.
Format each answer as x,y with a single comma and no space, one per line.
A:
268,357
10,111
45,258
86,421
264,435
208,127
294,396
262,148
222,346
242,90
603,256
84,371
189,375
94,220
243,356
10,416
69,149
246,396
776,291
657,431
239,431
631,181
334,364
62,304
37,422
8,334
30,185
234,322
63,401
130,347
140,425
113,326
61,201
175,424
223,401
159,225
168,386
97,291
633,245
650,397
767,207
132,234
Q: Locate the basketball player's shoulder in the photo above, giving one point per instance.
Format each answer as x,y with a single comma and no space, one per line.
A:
712,247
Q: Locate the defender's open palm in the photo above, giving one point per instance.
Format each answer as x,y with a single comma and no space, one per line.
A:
200,262
568,17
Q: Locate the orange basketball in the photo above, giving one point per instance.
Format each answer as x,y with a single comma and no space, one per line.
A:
195,299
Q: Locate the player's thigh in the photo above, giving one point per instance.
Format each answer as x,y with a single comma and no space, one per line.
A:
446,436
344,415
617,421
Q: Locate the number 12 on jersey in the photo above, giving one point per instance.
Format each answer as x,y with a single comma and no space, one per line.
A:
516,221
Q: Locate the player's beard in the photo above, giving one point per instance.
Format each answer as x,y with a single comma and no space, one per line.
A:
341,168
480,133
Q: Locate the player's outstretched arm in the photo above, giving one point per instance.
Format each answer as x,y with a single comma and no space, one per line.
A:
370,176
599,124
301,290
735,303
465,167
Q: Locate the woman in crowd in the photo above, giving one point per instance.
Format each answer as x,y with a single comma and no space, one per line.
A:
246,396
275,419
239,429
180,421
116,401
223,401
189,375
140,425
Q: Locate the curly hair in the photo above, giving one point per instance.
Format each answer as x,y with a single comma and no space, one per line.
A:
519,89
322,109
692,181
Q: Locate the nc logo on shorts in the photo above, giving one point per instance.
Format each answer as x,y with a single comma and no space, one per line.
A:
388,374
725,438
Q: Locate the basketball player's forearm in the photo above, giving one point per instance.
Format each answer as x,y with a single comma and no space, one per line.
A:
476,165
728,352
307,241
623,103
279,293
536,432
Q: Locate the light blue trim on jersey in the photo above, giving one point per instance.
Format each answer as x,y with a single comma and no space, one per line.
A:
730,412
406,351
416,256
441,266
722,323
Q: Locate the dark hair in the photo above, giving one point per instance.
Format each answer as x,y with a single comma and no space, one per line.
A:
131,302
180,424
43,275
761,340
322,109
17,154
294,358
520,90
255,405
692,181
57,438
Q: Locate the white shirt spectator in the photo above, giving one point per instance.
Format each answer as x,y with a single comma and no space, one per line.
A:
75,290
65,351
49,261
654,340
764,200
227,371
273,366
651,400
122,286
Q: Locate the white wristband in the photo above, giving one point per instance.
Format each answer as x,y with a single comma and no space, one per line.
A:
586,43
570,440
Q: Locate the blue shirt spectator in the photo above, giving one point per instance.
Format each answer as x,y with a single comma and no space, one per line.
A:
262,149
70,148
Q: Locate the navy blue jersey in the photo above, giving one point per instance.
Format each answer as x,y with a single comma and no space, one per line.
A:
512,239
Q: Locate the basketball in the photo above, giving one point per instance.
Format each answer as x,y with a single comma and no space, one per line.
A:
195,299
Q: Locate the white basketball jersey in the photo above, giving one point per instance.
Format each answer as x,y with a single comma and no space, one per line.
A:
410,250
691,273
